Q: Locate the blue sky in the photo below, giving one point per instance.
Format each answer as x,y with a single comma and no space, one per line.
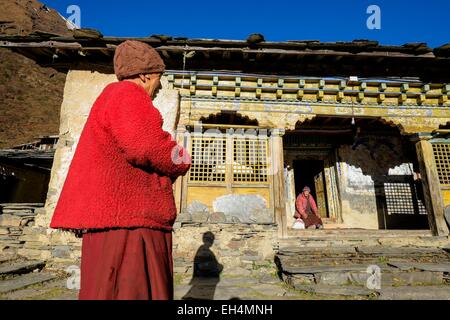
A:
279,20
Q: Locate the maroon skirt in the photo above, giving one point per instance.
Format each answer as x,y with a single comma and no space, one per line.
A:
312,219
127,264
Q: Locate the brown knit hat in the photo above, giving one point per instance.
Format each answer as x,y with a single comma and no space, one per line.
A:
135,57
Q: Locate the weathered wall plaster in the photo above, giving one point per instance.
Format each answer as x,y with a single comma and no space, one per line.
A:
362,171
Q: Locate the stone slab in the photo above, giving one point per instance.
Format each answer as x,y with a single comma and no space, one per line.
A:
25,281
415,293
21,267
295,250
387,278
6,258
321,269
10,220
435,267
22,205
334,290
384,250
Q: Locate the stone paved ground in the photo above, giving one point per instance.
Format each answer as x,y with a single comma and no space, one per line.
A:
26,280
251,287
260,285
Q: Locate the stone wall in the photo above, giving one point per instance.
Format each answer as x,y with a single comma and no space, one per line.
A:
15,220
238,248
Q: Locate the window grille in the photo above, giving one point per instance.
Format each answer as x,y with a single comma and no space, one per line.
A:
442,157
401,198
208,159
250,160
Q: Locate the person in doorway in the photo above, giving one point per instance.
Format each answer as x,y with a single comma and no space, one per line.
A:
118,191
306,209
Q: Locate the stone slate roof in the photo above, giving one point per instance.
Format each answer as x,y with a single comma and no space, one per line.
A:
363,58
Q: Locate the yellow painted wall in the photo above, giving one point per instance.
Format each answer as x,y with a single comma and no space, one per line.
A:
207,194
446,196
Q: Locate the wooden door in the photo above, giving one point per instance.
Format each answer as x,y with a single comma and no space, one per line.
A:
320,195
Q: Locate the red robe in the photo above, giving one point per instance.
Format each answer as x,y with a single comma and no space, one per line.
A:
119,188
306,209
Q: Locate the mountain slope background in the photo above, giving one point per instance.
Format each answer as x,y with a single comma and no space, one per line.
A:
30,95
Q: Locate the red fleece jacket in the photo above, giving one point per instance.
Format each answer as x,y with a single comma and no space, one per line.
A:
122,171
300,206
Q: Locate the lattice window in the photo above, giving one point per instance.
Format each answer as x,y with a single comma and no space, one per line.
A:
250,160
401,198
421,206
442,157
208,159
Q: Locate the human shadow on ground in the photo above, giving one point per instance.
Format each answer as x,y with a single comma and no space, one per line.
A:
206,271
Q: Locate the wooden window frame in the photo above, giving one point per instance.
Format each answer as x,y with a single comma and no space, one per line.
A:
232,172
441,151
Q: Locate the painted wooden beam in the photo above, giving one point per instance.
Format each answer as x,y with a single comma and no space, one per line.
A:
404,87
237,90
215,84
360,97
280,88
192,88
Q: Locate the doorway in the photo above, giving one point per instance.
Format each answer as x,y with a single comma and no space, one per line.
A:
311,173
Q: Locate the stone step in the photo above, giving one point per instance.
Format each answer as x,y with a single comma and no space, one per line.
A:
24,281
347,265
6,258
390,251
364,252
434,267
441,292
51,290
313,269
360,278
358,238
296,250
17,268
337,261
21,213
349,237
364,233
326,290
21,205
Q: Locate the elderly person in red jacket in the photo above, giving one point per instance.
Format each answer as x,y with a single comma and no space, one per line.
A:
306,209
118,191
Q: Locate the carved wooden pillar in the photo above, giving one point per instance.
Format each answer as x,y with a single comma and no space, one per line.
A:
278,181
431,186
